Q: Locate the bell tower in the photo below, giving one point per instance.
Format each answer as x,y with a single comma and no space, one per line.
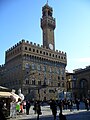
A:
48,25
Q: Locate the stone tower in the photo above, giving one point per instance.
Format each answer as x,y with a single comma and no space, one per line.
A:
48,26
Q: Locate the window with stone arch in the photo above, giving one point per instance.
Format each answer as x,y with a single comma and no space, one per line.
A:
83,84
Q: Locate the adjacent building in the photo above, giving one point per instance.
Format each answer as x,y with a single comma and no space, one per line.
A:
83,82
39,70
71,85
78,83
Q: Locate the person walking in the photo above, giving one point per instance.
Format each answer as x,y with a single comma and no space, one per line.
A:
60,105
53,107
18,106
27,107
77,101
34,108
70,104
38,109
13,109
87,104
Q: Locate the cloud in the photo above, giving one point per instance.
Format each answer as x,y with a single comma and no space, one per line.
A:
83,60
76,63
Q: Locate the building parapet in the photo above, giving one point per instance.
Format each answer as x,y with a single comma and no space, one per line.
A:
33,44
36,49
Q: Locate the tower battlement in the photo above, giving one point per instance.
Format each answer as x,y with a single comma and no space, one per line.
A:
26,42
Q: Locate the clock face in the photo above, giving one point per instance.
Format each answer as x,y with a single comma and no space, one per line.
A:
51,46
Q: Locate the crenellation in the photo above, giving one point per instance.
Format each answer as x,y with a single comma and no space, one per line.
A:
2,65
13,47
23,41
42,46
62,52
38,45
17,44
31,43
20,42
35,44
59,51
27,41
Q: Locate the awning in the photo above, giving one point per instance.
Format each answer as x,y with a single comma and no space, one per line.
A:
5,94
9,95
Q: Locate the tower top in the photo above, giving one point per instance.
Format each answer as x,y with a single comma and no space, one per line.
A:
48,25
47,2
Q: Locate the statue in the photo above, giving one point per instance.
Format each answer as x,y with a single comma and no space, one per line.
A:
20,94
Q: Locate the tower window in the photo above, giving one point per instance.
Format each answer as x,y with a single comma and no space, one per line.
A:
37,51
44,53
61,57
49,13
58,77
25,48
33,50
58,84
41,52
62,78
49,54
29,49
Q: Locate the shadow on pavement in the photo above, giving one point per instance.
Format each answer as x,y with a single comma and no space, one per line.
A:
84,115
42,118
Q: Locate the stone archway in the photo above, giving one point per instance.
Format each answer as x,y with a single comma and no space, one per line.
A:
83,88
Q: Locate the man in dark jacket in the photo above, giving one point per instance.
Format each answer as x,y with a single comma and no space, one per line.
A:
53,107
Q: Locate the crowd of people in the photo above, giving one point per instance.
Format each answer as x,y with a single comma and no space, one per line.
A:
23,107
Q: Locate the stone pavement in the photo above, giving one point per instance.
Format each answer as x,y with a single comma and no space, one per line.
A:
82,114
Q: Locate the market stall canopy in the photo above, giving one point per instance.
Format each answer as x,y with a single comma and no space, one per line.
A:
9,95
5,94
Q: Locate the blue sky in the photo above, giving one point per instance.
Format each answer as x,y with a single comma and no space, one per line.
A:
20,19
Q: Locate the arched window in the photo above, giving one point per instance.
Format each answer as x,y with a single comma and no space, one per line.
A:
83,84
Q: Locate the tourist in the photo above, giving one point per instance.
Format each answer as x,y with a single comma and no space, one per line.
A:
27,107
53,107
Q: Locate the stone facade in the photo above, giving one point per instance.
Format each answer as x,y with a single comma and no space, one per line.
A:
71,84
39,70
78,83
83,82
